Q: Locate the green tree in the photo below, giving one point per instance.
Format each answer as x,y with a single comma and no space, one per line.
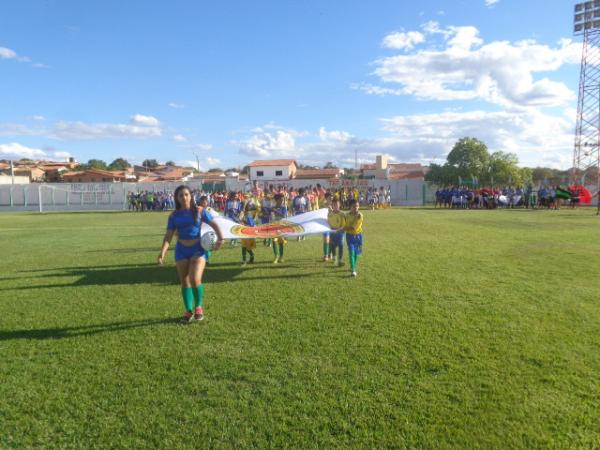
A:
442,175
470,157
119,164
170,163
504,169
150,163
329,165
97,164
215,170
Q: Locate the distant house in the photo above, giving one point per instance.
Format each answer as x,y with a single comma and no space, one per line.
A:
166,173
97,176
319,174
273,170
382,170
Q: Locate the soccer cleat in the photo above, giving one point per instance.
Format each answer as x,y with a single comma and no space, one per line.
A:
198,314
276,260
281,260
244,264
354,273
187,318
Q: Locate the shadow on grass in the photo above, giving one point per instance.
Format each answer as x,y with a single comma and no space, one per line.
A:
107,275
70,332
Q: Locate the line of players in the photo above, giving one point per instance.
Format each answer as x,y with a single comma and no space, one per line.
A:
272,206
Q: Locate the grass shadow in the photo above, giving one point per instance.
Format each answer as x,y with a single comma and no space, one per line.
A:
70,332
107,275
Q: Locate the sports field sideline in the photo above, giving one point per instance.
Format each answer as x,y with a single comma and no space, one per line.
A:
463,329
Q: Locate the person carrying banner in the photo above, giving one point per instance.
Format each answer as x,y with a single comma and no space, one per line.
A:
248,245
280,212
326,203
354,237
337,221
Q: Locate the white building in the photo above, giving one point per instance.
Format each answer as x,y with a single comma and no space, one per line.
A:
275,170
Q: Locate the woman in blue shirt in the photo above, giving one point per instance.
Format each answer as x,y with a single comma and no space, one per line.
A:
190,257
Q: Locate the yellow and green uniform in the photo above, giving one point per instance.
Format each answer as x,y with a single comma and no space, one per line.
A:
354,237
337,220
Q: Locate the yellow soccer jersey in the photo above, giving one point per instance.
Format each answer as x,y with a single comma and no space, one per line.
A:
336,219
354,223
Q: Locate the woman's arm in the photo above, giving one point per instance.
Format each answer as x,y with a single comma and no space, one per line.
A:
165,245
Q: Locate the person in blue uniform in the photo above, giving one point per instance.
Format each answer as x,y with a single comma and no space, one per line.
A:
190,257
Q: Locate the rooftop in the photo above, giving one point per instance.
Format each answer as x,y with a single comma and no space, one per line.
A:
272,162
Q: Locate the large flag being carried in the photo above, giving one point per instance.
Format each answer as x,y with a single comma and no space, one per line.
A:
314,222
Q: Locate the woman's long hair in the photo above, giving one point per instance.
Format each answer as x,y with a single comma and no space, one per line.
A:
193,205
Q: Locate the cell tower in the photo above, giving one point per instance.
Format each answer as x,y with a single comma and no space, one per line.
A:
586,154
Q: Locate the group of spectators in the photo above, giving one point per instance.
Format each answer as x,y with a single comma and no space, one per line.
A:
375,198
511,197
150,201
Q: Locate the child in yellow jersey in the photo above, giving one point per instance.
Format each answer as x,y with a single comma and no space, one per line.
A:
280,212
248,245
326,203
354,237
337,221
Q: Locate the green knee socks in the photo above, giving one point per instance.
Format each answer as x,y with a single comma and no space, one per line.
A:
188,298
325,249
353,257
198,294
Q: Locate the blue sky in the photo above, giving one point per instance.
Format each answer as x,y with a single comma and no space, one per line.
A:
313,80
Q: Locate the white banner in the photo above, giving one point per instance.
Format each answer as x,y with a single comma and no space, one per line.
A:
314,222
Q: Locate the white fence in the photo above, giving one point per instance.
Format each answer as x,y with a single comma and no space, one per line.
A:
113,196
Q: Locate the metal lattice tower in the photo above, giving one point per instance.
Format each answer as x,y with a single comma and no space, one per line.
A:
586,154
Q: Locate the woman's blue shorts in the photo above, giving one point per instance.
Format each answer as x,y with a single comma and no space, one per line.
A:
188,252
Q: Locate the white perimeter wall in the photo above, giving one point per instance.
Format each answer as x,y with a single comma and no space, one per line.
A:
113,196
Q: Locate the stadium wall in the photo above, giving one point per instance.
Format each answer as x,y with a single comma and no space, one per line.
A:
113,196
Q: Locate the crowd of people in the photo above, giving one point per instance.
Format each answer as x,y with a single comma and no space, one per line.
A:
375,198
512,197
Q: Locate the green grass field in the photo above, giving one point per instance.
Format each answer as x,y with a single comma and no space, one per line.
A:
464,329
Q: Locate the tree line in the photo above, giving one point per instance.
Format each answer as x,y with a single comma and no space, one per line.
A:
471,163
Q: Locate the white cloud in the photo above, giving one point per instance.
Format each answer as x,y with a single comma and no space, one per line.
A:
176,105
38,118
179,138
336,136
82,130
16,129
212,161
402,40
534,136
202,147
280,143
490,3
61,155
15,150
149,121
465,68
7,53
376,90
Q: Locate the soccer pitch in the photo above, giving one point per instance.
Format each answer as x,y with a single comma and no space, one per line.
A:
463,329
